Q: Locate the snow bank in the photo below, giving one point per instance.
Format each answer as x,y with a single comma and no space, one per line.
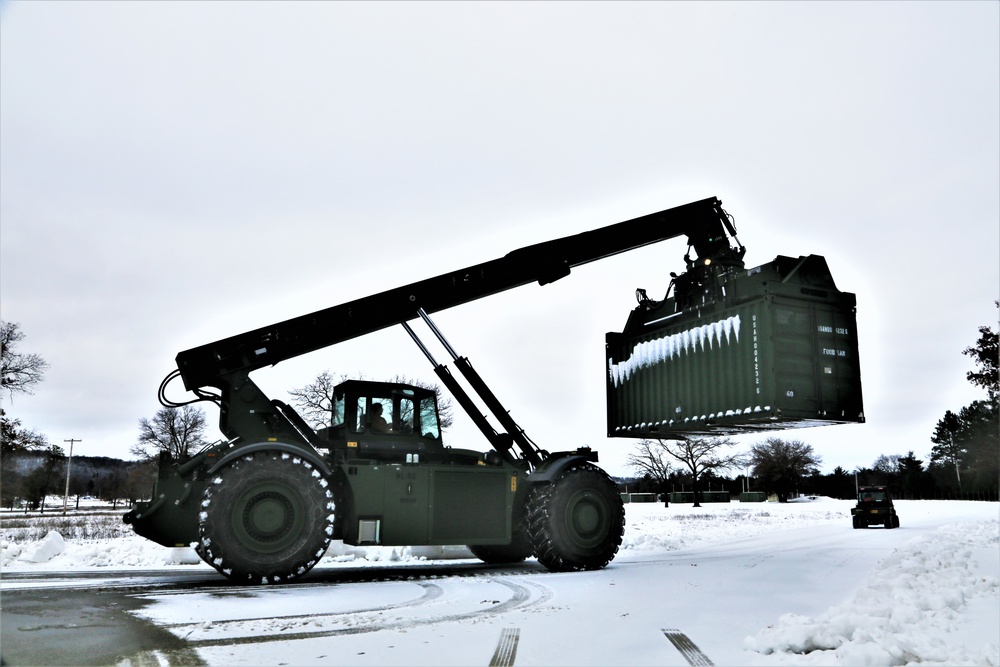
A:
910,610
126,552
48,548
649,527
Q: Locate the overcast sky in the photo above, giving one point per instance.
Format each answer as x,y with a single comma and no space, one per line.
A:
175,173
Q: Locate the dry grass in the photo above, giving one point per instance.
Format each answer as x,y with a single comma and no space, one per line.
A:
91,524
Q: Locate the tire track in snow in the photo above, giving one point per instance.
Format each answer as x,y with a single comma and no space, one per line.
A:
688,648
431,592
506,648
842,562
755,561
521,597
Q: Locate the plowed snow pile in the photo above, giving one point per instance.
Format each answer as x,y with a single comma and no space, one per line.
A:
913,609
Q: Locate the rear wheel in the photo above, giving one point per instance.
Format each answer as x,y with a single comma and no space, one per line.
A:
266,518
576,521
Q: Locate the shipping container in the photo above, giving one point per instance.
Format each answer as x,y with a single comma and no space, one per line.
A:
771,347
703,497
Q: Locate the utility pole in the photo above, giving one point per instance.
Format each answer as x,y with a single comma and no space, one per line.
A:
69,464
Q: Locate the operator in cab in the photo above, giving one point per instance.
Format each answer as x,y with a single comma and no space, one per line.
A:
379,424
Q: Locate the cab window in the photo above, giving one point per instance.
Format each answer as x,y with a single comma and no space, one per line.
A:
381,415
397,414
361,415
337,412
429,427
404,415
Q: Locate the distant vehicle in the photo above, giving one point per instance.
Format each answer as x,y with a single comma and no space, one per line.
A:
874,508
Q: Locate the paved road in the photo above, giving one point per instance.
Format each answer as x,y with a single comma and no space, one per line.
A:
90,618
79,619
687,607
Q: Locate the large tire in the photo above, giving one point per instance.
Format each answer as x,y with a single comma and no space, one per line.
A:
576,521
498,554
266,518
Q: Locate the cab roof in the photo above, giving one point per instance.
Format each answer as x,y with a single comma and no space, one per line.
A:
372,388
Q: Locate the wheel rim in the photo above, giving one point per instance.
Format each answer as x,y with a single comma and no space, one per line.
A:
268,517
588,519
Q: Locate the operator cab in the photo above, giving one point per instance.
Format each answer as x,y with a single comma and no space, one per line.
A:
383,420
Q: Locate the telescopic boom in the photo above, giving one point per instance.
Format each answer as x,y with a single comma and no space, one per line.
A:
704,223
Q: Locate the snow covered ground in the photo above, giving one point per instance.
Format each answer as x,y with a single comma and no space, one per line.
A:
762,583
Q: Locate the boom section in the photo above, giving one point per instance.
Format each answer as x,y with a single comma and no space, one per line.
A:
704,222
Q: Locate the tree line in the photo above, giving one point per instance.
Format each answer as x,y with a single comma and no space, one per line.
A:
32,468
966,453
31,477
906,476
776,466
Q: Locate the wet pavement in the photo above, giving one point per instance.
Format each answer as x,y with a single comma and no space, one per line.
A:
80,625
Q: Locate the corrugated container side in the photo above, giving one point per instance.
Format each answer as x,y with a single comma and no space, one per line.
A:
787,357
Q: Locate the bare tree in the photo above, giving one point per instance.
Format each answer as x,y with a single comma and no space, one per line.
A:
44,479
175,431
19,373
650,458
887,465
315,400
702,455
14,439
113,486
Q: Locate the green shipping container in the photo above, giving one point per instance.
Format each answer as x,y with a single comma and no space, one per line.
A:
703,496
772,347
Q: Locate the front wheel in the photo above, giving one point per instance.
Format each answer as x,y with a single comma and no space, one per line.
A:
266,518
576,521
